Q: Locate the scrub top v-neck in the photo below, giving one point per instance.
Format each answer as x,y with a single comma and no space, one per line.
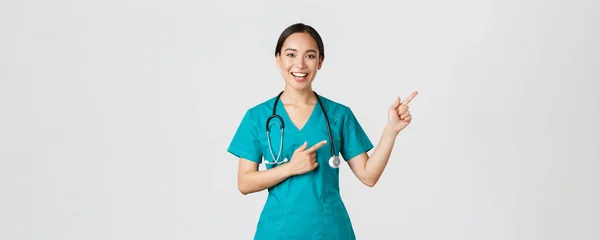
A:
288,120
307,206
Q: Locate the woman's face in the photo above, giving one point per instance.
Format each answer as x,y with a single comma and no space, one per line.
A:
299,60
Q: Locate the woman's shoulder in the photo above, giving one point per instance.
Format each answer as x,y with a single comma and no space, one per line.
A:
258,110
264,108
330,101
334,107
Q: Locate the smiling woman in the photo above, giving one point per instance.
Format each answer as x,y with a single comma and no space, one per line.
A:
303,54
302,177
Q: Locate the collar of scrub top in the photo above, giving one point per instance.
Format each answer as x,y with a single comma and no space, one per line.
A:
334,161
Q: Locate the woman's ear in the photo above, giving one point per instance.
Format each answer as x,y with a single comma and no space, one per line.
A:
320,62
278,61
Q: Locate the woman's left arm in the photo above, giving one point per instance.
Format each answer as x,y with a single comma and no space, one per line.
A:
368,169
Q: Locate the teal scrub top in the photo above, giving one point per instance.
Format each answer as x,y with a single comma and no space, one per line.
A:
307,206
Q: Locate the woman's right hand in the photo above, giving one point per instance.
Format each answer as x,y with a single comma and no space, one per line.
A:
304,160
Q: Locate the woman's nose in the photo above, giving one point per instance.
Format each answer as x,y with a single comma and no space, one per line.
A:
299,62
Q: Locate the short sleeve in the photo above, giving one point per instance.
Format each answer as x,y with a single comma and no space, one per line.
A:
245,142
354,139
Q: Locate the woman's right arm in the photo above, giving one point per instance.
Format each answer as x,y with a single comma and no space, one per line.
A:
251,180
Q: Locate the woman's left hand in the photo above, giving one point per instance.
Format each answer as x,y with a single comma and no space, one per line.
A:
398,115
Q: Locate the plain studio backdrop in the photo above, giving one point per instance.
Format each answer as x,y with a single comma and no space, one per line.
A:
116,115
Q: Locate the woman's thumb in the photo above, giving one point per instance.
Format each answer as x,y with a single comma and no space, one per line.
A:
396,103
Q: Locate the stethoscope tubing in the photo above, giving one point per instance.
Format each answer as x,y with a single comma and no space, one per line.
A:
282,127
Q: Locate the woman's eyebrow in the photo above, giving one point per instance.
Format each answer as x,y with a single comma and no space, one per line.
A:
292,49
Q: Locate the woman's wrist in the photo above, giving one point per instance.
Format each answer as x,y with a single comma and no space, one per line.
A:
287,170
390,131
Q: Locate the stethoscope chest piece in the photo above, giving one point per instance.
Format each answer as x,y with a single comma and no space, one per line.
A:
334,162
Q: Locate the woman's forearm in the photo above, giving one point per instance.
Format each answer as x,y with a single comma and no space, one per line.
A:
256,181
380,156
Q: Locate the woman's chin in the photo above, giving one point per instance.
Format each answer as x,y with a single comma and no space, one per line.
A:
299,85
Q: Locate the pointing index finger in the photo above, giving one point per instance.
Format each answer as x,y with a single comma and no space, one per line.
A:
409,98
316,146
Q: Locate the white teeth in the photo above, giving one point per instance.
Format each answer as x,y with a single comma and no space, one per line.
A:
300,74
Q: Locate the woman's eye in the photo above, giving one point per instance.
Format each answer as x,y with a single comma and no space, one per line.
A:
311,56
290,55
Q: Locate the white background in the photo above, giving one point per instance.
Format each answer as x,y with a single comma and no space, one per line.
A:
116,115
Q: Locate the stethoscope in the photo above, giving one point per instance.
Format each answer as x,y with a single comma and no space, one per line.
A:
334,161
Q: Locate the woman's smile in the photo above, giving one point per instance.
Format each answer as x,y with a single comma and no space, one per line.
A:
300,76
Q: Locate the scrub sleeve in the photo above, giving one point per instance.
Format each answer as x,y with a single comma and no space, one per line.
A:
245,143
354,139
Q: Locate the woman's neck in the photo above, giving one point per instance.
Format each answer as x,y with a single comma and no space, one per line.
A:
295,97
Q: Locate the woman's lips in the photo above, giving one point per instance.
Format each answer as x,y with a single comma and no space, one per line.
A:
299,77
